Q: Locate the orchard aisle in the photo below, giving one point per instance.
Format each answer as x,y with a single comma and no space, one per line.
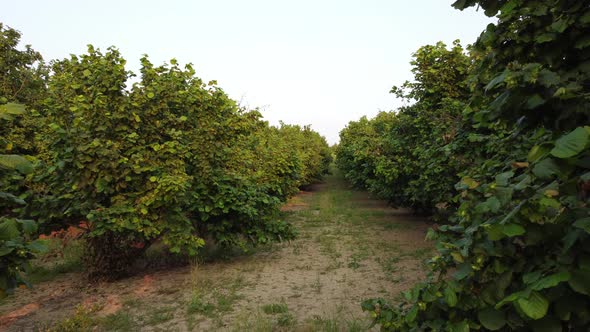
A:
350,247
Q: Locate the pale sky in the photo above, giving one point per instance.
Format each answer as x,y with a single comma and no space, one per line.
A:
322,62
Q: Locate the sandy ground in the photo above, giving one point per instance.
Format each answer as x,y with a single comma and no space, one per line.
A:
350,248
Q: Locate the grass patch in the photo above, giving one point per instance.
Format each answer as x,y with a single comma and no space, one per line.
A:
275,308
286,320
82,320
257,322
213,299
354,263
389,264
421,253
160,315
323,324
119,321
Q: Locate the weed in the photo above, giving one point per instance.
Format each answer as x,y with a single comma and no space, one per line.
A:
132,302
160,315
225,301
356,258
197,305
81,321
119,321
275,308
286,320
317,285
422,253
340,320
256,322
389,264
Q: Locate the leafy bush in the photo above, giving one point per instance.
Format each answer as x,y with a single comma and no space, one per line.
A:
399,156
171,159
516,255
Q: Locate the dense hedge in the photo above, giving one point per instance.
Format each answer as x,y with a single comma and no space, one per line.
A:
168,159
515,254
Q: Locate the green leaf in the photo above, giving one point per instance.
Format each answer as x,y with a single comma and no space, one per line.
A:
37,246
504,195
502,179
534,101
560,25
546,37
5,251
8,229
11,109
491,319
450,296
8,197
571,144
512,230
495,232
463,270
510,298
497,80
16,162
29,226
551,281
584,224
531,277
460,4
548,78
535,306
461,326
412,314
469,182
547,168
538,152
493,203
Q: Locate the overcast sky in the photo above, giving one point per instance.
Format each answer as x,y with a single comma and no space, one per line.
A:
318,62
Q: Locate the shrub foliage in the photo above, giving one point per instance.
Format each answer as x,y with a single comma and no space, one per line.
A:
515,253
167,159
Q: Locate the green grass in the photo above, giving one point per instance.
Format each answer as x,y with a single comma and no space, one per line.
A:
275,308
57,260
286,320
213,299
354,262
81,320
120,321
160,315
421,253
255,322
336,324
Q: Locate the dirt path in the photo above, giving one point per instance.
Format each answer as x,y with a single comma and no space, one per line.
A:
350,247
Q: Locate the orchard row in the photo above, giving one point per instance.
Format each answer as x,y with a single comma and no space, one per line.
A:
169,159
495,143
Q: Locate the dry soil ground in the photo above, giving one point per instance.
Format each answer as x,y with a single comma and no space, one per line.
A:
350,247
